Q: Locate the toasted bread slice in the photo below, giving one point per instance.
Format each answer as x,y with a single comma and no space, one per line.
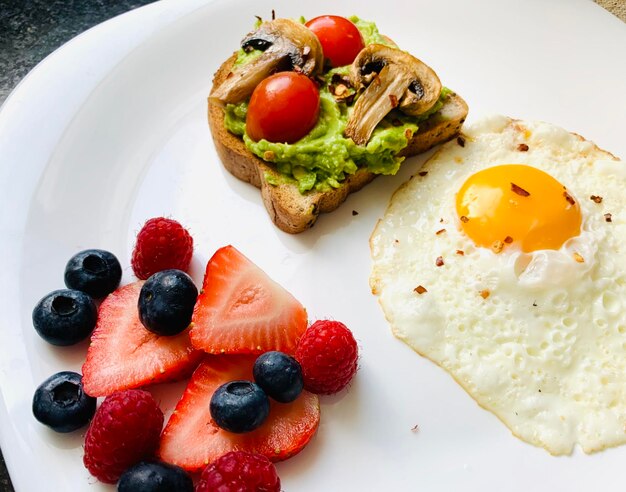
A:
292,211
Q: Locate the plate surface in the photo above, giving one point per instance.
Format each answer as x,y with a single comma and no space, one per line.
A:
111,130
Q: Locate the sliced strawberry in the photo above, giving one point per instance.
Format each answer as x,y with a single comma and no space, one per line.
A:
241,310
191,439
123,354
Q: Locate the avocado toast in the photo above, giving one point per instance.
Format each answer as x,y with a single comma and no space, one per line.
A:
293,191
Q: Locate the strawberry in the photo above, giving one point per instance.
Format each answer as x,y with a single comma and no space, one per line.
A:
123,354
242,310
191,438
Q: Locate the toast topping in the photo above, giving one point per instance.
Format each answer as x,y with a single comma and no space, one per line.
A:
286,45
391,78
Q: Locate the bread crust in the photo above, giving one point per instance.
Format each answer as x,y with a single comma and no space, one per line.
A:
290,210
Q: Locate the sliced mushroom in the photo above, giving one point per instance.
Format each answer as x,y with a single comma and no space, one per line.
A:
393,79
286,45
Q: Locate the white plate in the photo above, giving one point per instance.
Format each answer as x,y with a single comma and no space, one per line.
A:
111,130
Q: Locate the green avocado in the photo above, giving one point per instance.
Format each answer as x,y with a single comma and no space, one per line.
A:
322,159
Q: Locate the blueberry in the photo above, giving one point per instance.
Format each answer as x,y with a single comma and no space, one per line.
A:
65,317
93,271
280,376
239,406
61,404
166,302
147,476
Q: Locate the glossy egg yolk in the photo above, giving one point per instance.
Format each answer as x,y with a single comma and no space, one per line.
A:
517,204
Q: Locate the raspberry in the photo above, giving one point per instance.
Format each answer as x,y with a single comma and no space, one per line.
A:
162,244
239,471
125,430
328,355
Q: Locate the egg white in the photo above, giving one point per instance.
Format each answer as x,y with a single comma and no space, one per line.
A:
537,338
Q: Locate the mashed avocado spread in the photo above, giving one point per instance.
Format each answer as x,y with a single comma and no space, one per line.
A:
322,159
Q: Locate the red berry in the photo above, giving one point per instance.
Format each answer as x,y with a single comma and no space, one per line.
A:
328,355
191,438
162,244
241,310
239,471
124,355
124,431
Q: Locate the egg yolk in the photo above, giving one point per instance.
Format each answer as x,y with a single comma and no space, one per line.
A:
517,204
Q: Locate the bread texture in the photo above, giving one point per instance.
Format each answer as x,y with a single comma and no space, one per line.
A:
290,210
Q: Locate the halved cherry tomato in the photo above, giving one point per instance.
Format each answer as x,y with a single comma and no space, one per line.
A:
283,108
341,40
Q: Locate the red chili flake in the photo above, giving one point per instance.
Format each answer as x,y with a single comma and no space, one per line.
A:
522,147
394,101
420,289
460,141
440,231
484,293
460,252
608,217
464,219
508,240
354,212
439,261
519,190
579,258
569,198
423,173
595,199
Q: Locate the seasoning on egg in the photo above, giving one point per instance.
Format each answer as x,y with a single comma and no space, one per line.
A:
595,199
497,246
519,190
420,289
569,198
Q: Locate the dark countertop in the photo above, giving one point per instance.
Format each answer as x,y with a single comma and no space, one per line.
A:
32,29
29,31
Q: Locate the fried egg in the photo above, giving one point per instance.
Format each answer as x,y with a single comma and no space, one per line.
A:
504,261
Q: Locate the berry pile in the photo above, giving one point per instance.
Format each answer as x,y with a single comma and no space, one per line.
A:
256,394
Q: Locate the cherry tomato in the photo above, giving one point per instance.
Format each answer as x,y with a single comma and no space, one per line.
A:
341,40
283,108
